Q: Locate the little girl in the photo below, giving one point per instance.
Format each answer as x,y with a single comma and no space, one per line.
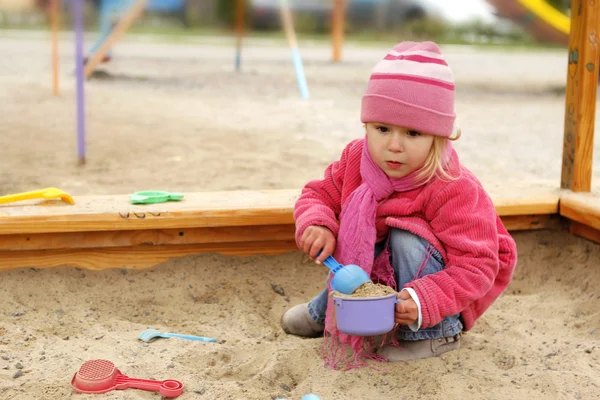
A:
400,205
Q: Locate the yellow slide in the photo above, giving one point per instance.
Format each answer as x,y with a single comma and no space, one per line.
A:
551,15
538,17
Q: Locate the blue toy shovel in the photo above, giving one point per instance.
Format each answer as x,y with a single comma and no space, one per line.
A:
150,334
347,278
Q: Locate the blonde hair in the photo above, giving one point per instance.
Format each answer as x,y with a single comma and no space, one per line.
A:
434,164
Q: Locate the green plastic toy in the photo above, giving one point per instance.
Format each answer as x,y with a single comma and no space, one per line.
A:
152,197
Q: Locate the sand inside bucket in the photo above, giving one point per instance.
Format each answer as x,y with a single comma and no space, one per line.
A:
368,289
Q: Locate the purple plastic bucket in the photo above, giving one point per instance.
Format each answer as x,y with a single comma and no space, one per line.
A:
365,316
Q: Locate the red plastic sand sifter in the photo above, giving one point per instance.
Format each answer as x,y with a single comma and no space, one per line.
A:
101,376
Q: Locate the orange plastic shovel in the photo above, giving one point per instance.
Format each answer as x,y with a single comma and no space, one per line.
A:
48,193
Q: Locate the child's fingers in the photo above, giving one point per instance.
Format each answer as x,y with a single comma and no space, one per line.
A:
316,247
403,295
404,321
308,243
306,246
401,308
302,240
404,316
405,307
327,251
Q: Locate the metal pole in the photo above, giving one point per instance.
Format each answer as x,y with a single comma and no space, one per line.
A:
78,16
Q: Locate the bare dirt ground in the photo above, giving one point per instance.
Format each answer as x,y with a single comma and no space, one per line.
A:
175,116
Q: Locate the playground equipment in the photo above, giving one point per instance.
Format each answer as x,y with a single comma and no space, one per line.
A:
131,10
101,232
55,23
83,70
78,10
544,22
286,17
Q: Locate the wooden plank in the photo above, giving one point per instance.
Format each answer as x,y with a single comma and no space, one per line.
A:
137,257
531,222
236,223
129,238
584,231
267,240
581,207
527,206
197,210
114,213
580,108
119,30
102,239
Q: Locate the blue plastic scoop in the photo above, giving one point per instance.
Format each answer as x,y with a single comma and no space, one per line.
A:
150,334
347,278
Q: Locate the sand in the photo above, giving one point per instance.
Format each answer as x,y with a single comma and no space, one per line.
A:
540,340
368,289
175,117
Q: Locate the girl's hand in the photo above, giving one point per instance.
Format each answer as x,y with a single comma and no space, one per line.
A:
317,238
407,311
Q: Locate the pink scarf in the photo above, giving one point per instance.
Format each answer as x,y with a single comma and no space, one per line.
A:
356,245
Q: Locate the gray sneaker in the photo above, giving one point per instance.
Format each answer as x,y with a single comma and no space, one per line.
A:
297,321
414,350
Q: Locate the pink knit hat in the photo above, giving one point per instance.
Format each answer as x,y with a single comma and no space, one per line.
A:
412,87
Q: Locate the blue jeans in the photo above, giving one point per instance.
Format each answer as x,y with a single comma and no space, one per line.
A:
407,251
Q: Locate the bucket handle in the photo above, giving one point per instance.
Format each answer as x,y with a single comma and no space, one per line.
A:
340,302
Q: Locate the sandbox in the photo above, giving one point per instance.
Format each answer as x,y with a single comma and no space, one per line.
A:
540,340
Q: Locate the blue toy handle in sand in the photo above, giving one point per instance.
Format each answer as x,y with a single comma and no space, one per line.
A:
305,397
189,337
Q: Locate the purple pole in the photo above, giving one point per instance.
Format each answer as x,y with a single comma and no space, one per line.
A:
78,15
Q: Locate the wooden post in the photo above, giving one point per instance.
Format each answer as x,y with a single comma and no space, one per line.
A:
240,17
582,82
119,30
54,22
288,23
337,29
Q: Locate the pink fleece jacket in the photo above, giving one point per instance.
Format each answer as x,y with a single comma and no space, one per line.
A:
457,218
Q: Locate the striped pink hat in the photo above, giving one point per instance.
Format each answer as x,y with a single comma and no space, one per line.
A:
412,87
